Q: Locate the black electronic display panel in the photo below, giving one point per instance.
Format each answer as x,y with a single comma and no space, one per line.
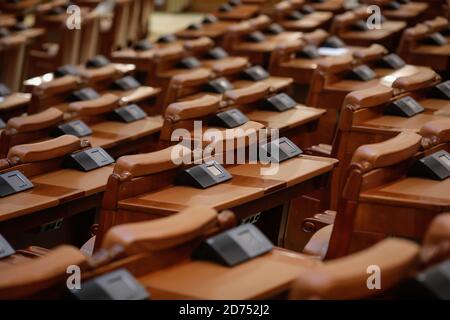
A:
143,45
363,73
209,19
435,166
307,9
216,53
436,39
295,15
115,285
234,246
256,36
76,128
391,61
168,38
255,73
2,124
442,90
89,159
129,113
404,107
4,90
194,26
189,63
333,42
309,52
219,85
203,176
13,182
274,29
84,94
225,7
97,62
6,249
68,69
126,83
231,118
393,5
280,102
278,150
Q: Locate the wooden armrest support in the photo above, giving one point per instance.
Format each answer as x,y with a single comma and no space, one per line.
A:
103,104
252,93
191,109
34,122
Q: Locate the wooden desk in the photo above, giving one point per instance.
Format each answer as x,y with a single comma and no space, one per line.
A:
240,12
14,105
214,31
309,22
409,204
259,278
246,194
62,194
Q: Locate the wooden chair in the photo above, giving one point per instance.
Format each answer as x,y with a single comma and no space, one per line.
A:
286,14
411,12
12,57
236,12
381,198
333,79
399,260
414,48
47,214
52,55
147,249
346,27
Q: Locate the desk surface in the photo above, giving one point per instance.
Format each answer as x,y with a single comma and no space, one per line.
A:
259,278
241,12
398,123
412,191
52,189
14,100
246,185
213,30
297,116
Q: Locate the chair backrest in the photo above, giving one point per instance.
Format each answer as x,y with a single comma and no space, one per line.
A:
26,129
90,37
12,54
395,154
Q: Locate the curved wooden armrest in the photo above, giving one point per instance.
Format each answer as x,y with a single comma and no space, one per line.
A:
347,278
169,53
423,79
45,119
321,150
290,46
436,131
230,66
103,104
336,64
198,45
316,37
437,24
40,273
139,165
193,78
252,93
436,242
368,98
260,22
228,140
386,153
105,72
163,233
192,109
372,53
241,28
64,84
50,149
